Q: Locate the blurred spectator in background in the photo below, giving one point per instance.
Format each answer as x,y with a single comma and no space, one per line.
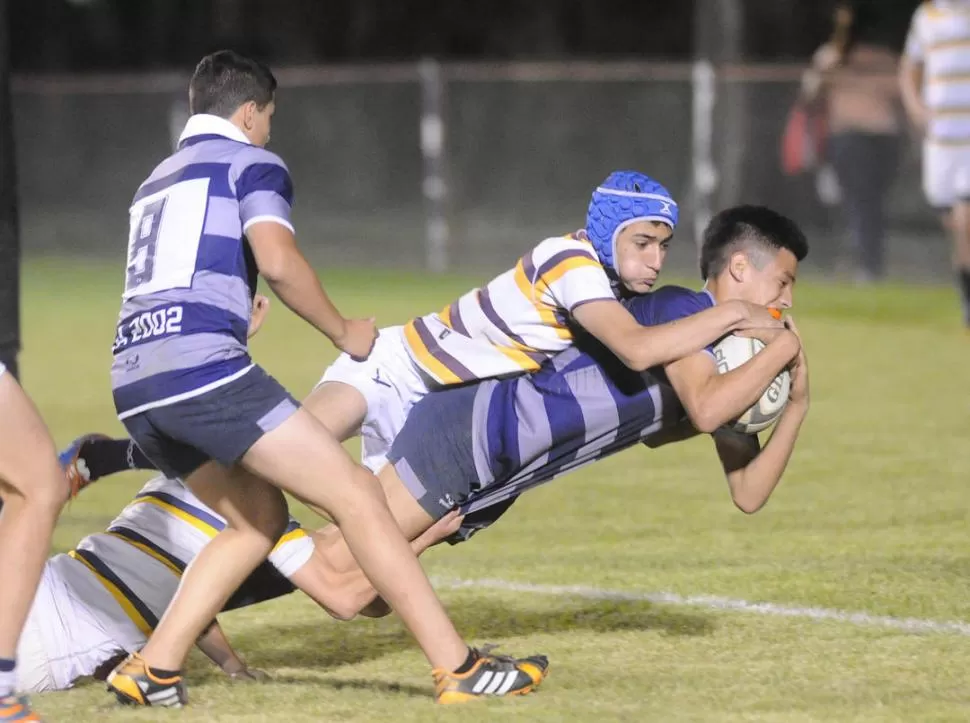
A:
853,82
935,82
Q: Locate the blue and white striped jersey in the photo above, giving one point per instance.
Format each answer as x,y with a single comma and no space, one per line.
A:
187,299
581,406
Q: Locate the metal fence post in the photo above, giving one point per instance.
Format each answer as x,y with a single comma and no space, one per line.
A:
434,184
9,213
704,86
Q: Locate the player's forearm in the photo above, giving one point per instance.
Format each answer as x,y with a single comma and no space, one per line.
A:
727,396
652,346
343,591
298,286
910,89
752,486
216,647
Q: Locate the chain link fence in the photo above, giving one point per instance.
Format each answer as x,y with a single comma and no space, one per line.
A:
515,150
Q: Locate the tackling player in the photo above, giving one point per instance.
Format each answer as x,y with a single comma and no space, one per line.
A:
934,78
200,409
32,494
524,316
480,446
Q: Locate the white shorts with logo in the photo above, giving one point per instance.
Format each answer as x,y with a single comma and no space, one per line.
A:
73,627
2,369
391,384
946,173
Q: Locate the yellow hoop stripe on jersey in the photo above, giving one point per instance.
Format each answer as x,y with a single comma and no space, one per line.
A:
533,289
188,514
514,322
134,608
148,551
426,358
183,511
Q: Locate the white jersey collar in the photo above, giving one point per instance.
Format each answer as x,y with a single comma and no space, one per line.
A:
204,124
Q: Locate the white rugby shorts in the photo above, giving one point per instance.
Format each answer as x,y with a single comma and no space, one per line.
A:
391,383
946,174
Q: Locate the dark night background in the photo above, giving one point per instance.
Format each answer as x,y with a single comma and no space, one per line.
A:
82,35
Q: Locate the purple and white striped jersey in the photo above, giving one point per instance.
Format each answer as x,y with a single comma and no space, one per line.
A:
581,406
186,304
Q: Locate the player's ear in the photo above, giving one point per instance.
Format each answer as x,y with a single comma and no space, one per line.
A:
249,114
737,266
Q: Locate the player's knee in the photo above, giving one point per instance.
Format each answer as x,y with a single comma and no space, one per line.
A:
42,488
270,519
361,497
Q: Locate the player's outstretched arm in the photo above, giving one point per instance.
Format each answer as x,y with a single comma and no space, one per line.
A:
346,592
641,347
290,275
712,399
752,475
216,647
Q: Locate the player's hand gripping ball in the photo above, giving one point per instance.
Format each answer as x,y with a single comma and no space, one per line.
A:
733,351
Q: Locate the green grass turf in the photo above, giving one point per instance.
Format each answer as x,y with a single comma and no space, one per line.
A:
872,516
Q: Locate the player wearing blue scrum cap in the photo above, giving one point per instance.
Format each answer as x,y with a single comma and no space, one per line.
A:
625,199
526,315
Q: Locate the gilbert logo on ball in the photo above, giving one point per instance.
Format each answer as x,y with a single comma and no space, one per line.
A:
733,351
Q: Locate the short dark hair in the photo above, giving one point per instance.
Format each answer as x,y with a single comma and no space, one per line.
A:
225,80
735,228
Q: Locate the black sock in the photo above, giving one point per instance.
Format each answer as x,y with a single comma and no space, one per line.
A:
469,662
965,294
108,456
163,674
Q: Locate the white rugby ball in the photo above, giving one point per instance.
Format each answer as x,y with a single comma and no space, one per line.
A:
733,351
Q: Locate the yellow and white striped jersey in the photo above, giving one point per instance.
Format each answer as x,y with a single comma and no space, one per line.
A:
939,38
516,321
138,561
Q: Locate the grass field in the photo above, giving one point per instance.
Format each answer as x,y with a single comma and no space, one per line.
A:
871,517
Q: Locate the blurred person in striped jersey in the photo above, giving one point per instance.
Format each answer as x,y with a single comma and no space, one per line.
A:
934,79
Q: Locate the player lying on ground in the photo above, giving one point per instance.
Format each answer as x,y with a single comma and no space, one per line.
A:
103,598
479,447
32,493
191,397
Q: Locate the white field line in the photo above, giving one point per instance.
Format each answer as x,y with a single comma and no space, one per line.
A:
712,602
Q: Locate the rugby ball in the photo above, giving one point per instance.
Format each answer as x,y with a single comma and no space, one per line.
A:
733,351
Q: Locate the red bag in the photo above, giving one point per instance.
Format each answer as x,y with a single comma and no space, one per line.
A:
803,142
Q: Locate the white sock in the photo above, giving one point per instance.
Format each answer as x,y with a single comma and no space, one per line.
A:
8,682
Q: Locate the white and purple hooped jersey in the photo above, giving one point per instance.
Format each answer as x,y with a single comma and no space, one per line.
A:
186,305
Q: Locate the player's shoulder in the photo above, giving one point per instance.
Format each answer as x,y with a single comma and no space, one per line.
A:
668,303
555,250
569,242
244,156
930,10
673,294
